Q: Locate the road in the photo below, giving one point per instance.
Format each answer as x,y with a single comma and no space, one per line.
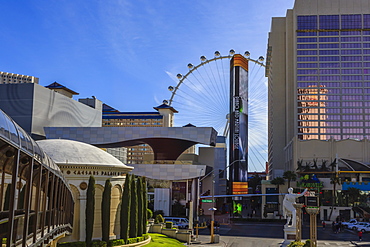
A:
257,234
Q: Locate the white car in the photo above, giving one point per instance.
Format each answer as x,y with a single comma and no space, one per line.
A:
357,225
365,228
181,223
346,224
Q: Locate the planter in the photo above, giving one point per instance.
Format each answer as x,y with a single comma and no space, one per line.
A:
156,228
184,236
170,232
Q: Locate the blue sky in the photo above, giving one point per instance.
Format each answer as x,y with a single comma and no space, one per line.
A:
123,52
127,52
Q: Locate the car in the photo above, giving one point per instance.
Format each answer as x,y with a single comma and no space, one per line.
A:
365,228
345,224
181,223
357,225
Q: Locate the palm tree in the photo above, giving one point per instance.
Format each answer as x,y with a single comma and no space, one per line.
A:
254,182
315,167
290,176
299,165
334,180
333,164
278,181
324,168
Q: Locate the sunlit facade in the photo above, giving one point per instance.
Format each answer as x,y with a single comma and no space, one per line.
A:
312,113
333,52
318,65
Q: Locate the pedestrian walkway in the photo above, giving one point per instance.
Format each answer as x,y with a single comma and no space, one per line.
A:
267,242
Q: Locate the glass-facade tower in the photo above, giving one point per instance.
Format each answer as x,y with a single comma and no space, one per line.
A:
333,76
318,68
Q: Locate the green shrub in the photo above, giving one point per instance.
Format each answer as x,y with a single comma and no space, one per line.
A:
169,225
140,206
145,206
296,244
89,211
149,213
133,210
308,243
125,208
105,210
159,219
72,244
116,242
156,212
99,244
131,241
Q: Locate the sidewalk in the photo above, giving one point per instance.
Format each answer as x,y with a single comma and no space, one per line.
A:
268,242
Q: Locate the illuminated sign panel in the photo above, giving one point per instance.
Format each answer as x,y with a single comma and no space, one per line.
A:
238,144
240,188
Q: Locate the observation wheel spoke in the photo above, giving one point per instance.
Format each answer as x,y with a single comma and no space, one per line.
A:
202,97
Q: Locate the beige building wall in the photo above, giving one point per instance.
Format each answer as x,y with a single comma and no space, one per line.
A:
307,150
277,96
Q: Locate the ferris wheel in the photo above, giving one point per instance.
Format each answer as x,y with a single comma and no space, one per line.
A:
202,97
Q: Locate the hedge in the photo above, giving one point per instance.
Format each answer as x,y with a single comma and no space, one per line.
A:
72,244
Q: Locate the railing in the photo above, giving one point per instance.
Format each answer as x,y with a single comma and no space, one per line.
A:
36,202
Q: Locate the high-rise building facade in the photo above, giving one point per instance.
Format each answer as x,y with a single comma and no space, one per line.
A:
11,78
318,65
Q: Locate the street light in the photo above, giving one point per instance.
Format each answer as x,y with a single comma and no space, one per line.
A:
213,209
198,194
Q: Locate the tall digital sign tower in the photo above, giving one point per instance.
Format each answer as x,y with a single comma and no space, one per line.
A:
238,142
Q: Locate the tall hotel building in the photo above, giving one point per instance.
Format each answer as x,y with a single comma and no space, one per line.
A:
318,66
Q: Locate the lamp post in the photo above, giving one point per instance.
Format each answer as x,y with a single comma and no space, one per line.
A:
198,203
213,209
198,194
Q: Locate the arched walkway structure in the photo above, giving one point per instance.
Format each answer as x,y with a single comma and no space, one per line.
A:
36,202
167,142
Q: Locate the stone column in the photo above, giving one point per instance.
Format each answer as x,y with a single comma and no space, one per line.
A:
313,225
298,207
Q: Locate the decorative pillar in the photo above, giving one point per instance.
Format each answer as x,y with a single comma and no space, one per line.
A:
298,207
313,225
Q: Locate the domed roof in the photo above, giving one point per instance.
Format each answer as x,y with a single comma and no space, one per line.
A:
65,152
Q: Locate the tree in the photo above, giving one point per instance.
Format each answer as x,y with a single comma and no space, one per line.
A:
324,168
105,214
334,180
290,176
145,206
90,208
133,210
254,182
278,181
125,208
140,205
299,165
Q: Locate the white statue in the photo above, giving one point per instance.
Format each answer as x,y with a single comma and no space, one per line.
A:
289,210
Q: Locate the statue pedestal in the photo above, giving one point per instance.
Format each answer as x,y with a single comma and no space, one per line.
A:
289,235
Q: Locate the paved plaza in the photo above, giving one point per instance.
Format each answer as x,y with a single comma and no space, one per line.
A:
256,234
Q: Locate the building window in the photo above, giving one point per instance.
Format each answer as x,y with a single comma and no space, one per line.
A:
351,21
329,22
308,22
